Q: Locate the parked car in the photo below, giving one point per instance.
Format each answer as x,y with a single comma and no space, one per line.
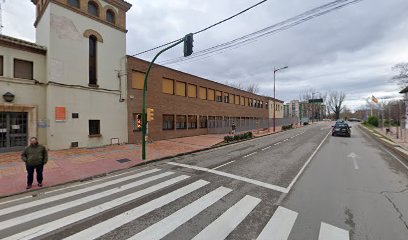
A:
341,129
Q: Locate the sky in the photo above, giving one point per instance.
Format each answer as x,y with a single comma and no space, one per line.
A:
351,50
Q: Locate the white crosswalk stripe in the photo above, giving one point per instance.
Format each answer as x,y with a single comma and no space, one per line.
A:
279,226
73,193
227,222
241,207
167,225
58,208
330,232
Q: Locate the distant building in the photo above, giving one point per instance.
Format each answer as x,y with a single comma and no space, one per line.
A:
279,107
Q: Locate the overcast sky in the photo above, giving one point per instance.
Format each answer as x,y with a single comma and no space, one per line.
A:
351,50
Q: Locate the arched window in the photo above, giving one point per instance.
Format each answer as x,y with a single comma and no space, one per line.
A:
73,3
110,16
92,60
93,9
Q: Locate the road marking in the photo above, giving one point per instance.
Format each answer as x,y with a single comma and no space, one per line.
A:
292,137
58,208
167,225
229,220
263,149
224,164
306,163
277,143
65,221
73,193
229,175
131,215
279,226
329,232
249,155
403,164
355,164
286,140
72,186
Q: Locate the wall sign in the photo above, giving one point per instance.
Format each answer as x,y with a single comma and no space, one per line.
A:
60,114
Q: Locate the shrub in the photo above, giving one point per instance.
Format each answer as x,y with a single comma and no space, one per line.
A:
238,137
373,120
305,123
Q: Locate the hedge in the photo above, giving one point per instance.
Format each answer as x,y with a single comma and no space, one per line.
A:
238,137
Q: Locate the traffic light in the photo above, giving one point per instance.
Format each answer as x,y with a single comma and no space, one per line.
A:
188,45
150,114
139,121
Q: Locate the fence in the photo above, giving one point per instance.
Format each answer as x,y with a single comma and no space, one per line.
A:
224,125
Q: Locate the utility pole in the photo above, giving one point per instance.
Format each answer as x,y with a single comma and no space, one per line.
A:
274,96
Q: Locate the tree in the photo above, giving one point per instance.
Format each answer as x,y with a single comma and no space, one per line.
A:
402,77
253,88
237,85
335,102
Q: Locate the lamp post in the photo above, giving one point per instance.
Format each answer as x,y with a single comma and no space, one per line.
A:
274,98
313,107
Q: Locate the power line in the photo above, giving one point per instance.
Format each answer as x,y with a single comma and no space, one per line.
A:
273,29
204,29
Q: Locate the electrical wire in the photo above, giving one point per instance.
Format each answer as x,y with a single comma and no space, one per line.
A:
204,29
273,29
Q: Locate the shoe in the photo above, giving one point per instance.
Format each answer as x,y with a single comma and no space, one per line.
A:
28,186
40,184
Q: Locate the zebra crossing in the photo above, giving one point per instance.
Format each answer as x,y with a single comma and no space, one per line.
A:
51,214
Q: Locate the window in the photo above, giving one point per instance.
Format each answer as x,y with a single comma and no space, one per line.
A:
92,60
237,98
266,105
192,91
242,101
203,121
73,3
93,9
250,102
232,98
23,69
181,89
138,80
1,65
202,93
261,104
211,94
181,122
94,127
218,96
192,121
168,122
226,97
246,102
110,16
167,86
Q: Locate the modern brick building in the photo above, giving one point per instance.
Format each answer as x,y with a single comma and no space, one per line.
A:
186,105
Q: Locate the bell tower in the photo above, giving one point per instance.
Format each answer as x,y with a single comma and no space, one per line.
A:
86,65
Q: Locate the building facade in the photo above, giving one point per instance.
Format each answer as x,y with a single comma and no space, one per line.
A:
278,108
186,105
65,82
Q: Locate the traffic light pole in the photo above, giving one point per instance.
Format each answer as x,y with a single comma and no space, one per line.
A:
144,117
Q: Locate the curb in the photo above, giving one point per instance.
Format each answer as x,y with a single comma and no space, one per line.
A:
218,145
385,141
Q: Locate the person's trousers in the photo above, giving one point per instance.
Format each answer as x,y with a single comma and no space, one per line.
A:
30,174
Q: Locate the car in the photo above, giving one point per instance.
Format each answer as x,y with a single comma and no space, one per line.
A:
341,129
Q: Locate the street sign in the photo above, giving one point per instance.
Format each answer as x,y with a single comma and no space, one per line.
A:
316,100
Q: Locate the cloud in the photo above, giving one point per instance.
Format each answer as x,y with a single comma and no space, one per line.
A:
350,50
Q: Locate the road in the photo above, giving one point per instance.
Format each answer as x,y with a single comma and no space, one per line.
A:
297,184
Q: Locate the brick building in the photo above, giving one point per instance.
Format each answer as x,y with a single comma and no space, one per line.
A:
186,105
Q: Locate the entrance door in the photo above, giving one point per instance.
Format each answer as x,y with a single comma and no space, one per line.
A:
13,131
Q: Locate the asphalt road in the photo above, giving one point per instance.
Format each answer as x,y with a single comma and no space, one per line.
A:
298,184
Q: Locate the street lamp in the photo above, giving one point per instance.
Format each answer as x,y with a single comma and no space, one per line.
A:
313,106
274,99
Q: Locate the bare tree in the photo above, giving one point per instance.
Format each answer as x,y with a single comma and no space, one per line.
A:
402,77
253,88
335,102
307,94
237,85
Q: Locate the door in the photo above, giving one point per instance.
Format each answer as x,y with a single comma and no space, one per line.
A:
13,131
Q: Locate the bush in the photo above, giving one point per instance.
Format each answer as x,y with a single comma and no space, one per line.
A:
238,137
305,123
373,120
286,127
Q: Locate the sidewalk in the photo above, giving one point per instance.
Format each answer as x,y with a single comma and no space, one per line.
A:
402,135
76,164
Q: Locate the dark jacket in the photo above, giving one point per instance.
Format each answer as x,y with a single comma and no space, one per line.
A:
35,155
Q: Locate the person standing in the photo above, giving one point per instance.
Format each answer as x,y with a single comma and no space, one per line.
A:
35,157
233,128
